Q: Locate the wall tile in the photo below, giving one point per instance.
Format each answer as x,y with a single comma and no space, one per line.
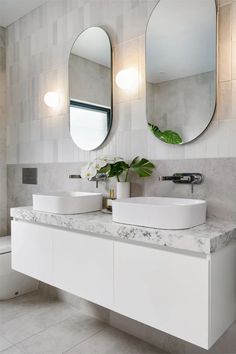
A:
225,100
139,143
224,37
233,20
123,141
224,2
127,55
157,150
122,111
233,98
233,48
227,146
138,114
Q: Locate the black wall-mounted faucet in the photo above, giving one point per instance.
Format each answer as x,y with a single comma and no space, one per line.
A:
100,177
184,178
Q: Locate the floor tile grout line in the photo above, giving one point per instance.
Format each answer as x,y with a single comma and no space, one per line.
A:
31,312
84,340
44,329
41,311
18,315
15,344
11,346
33,335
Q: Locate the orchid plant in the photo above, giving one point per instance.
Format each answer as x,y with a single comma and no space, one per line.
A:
93,168
117,167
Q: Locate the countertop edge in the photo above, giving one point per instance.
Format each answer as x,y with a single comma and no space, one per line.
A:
97,223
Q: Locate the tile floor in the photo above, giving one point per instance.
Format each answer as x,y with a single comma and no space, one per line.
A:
33,324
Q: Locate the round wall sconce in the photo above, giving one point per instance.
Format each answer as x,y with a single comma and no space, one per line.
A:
52,99
127,79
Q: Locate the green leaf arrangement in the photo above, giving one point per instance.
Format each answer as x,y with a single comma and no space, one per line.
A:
142,167
168,136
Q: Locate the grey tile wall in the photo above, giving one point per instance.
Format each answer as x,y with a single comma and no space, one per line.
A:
218,188
38,47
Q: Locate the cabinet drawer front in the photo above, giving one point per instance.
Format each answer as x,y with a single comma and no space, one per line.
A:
84,266
32,246
162,289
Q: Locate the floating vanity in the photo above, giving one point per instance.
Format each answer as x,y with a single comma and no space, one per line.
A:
182,282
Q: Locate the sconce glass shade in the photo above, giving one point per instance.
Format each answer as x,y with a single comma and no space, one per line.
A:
127,79
52,99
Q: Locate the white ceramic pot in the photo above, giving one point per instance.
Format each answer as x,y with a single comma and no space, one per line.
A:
122,190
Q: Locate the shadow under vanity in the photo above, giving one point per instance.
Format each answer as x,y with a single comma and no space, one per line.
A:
177,279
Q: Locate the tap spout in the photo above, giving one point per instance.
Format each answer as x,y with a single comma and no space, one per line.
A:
184,178
75,176
100,177
170,178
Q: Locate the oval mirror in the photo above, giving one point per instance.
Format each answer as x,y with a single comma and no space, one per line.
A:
181,69
90,88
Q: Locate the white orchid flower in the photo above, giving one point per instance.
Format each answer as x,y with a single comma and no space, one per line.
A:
88,172
99,163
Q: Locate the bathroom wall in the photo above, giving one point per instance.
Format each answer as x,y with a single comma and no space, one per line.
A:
37,62
3,168
90,81
38,46
183,105
218,187
37,58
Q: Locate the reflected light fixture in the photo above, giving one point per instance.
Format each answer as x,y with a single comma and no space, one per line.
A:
127,79
52,99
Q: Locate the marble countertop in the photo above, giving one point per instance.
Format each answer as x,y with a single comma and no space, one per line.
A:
204,239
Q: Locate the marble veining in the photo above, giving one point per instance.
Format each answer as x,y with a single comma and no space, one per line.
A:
204,239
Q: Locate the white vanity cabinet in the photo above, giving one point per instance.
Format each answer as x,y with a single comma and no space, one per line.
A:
189,295
192,297
83,266
173,287
74,262
32,249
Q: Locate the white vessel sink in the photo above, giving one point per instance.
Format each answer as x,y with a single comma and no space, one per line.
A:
67,202
158,212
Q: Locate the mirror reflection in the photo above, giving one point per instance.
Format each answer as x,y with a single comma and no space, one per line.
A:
90,88
181,69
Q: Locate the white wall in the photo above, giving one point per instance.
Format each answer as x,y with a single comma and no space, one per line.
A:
37,61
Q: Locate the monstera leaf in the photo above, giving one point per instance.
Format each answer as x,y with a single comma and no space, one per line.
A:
115,169
168,136
143,167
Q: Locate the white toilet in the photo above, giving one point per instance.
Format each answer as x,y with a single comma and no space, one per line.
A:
12,283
